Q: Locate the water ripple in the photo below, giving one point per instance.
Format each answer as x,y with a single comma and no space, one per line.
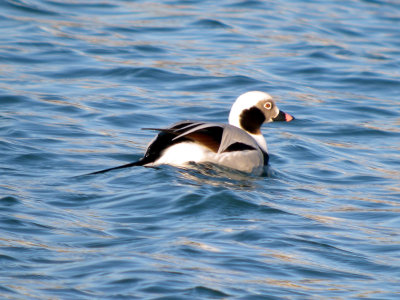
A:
78,79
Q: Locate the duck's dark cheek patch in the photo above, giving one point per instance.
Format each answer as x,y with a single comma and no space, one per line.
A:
251,120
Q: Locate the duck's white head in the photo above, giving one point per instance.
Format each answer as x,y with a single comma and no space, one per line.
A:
252,109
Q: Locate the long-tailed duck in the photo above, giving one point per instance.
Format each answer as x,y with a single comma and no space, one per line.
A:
238,145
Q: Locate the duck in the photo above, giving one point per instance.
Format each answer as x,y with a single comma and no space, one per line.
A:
238,145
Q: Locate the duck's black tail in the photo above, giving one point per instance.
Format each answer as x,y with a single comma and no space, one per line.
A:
140,162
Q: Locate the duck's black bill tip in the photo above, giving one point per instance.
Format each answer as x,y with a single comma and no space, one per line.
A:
282,116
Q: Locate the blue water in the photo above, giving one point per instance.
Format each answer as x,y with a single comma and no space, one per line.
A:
78,81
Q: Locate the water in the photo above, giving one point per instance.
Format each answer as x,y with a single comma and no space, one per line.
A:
78,81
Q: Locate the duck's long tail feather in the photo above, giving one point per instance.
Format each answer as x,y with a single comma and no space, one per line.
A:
133,164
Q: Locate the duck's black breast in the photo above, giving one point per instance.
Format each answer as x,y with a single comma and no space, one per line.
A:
266,157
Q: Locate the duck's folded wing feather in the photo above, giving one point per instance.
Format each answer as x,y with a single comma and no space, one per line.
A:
215,136
208,136
206,128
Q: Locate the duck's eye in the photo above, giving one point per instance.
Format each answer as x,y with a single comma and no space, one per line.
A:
268,105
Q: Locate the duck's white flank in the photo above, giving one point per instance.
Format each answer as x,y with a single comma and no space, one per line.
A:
181,154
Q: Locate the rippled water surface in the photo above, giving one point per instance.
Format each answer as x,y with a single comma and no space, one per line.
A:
78,81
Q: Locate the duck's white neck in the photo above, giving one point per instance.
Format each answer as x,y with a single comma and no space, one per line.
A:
260,141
